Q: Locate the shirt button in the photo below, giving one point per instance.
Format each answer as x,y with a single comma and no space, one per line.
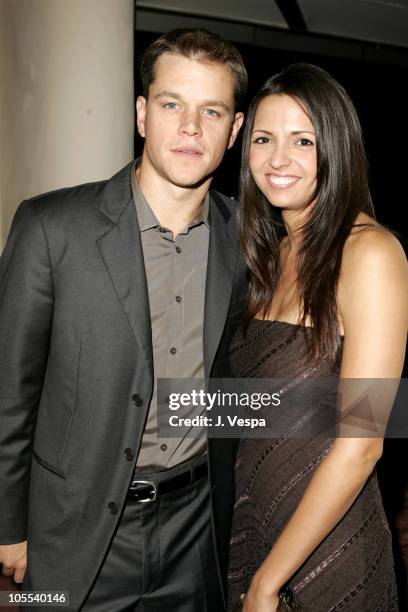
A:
178,249
129,454
173,350
137,400
178,299
163,447
113,507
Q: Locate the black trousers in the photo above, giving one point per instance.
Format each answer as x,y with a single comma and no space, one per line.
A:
162,556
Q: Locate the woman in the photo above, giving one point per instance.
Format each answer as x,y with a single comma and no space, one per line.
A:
328,296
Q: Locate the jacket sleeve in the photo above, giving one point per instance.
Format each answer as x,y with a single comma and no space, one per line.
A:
26,308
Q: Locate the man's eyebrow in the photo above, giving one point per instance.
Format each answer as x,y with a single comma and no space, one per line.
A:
165,93
217,103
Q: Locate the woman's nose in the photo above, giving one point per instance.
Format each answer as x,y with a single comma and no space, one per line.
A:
279,156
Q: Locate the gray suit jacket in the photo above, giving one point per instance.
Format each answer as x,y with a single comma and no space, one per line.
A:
76,374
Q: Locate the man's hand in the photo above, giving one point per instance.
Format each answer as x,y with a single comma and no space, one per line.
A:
13,557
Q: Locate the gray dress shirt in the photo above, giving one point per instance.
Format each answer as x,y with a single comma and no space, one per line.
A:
176,271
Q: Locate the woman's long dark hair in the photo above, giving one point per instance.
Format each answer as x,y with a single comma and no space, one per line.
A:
342,192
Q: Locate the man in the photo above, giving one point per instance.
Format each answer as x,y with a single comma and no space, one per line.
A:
105,288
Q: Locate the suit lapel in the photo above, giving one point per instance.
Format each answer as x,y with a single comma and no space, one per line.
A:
222,260
121,250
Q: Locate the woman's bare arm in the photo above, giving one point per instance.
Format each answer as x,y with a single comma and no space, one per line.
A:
373,304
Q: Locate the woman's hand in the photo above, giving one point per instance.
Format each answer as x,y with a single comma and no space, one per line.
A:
258,598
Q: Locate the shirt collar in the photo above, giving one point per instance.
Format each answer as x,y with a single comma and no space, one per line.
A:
146,217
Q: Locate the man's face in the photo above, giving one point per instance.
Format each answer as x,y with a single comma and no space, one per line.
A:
188,120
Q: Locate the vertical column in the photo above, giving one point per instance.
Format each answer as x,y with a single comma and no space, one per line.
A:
66,95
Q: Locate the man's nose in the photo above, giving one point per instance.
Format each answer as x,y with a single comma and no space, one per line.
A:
190,124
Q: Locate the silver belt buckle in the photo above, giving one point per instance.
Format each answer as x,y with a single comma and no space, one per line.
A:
146,482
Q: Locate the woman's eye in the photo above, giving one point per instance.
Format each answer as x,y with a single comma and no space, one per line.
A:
261,140
304,142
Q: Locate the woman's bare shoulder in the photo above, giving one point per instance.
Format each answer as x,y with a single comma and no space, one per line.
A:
373,295
374,266
367,240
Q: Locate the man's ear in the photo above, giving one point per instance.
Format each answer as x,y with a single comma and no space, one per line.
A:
236,126
141,115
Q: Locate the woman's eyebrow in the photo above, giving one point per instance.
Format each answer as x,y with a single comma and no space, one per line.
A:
292,132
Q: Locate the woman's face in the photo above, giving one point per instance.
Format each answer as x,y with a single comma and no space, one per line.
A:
282,155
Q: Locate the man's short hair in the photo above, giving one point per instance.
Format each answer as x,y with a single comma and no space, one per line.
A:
198,44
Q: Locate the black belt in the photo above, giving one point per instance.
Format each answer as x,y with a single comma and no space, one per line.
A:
149,491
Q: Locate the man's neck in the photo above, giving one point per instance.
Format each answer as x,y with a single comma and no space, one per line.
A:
174,207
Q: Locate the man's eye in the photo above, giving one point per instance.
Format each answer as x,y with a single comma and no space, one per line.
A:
261,140
170,105
211,112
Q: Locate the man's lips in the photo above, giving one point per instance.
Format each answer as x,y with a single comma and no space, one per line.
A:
280,181
187,151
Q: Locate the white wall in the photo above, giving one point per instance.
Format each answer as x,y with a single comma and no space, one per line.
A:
66,95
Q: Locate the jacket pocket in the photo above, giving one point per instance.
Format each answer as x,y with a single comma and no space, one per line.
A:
56,409
47,466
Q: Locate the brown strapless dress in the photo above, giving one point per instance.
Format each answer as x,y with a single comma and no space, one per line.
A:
352,569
